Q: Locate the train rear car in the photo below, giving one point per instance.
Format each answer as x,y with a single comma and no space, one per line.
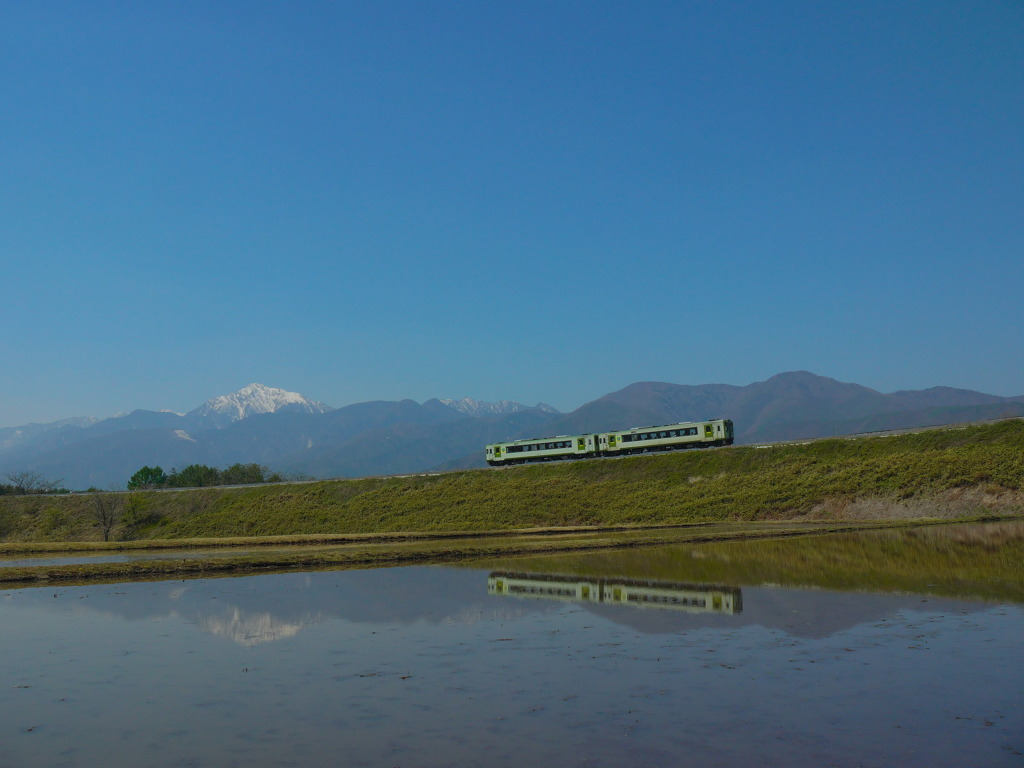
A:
541,449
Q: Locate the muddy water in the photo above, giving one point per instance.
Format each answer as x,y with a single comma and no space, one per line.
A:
902,649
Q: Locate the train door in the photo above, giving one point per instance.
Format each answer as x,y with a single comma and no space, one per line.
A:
709,432
612,443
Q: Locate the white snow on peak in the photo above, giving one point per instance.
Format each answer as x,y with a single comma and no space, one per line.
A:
257,398
471,407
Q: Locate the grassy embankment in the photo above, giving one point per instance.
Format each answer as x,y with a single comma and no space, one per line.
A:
959,472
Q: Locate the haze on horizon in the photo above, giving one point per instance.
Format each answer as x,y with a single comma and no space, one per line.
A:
527,201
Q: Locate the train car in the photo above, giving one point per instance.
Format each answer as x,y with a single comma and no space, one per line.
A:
547,587
541,449
692,598
690,434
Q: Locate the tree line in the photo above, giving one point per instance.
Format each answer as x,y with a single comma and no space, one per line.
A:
200,476
28,482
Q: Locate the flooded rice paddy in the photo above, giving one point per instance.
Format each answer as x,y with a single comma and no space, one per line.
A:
869,649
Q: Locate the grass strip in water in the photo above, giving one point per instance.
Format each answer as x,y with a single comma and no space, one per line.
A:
364,554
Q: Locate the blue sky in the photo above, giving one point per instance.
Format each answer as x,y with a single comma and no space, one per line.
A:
529,200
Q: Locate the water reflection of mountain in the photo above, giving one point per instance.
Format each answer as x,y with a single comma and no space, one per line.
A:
260,609
250,628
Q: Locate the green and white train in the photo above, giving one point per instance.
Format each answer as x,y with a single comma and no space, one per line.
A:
670,437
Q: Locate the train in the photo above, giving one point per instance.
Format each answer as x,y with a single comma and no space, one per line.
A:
692,598
668,437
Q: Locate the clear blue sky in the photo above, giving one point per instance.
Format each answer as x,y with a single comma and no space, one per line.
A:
519,200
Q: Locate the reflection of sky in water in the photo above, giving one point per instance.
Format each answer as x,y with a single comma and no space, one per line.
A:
422,667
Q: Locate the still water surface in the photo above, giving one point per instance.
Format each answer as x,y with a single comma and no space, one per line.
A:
867,650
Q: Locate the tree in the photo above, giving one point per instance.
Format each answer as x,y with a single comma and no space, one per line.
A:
147,477
106,512
29,481
194,476
244,474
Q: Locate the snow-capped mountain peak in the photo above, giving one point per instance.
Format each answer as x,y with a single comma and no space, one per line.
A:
254,399
471,407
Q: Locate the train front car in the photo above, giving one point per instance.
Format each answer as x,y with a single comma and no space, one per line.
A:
541,449
690,434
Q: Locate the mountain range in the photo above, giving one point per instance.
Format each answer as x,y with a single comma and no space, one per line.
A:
291,433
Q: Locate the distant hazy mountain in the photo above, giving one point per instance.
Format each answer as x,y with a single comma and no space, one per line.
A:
289,432
12,437
418,445
471,407
269,426
787,406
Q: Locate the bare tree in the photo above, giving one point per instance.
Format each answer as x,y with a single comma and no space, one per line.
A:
29,481
106,512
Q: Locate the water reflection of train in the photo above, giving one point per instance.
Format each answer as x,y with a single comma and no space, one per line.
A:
693,598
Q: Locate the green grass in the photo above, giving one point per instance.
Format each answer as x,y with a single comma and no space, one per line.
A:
951,472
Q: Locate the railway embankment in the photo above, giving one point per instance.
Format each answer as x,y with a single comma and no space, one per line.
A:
958,472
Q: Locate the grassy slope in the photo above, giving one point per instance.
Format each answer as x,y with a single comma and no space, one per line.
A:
827,479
